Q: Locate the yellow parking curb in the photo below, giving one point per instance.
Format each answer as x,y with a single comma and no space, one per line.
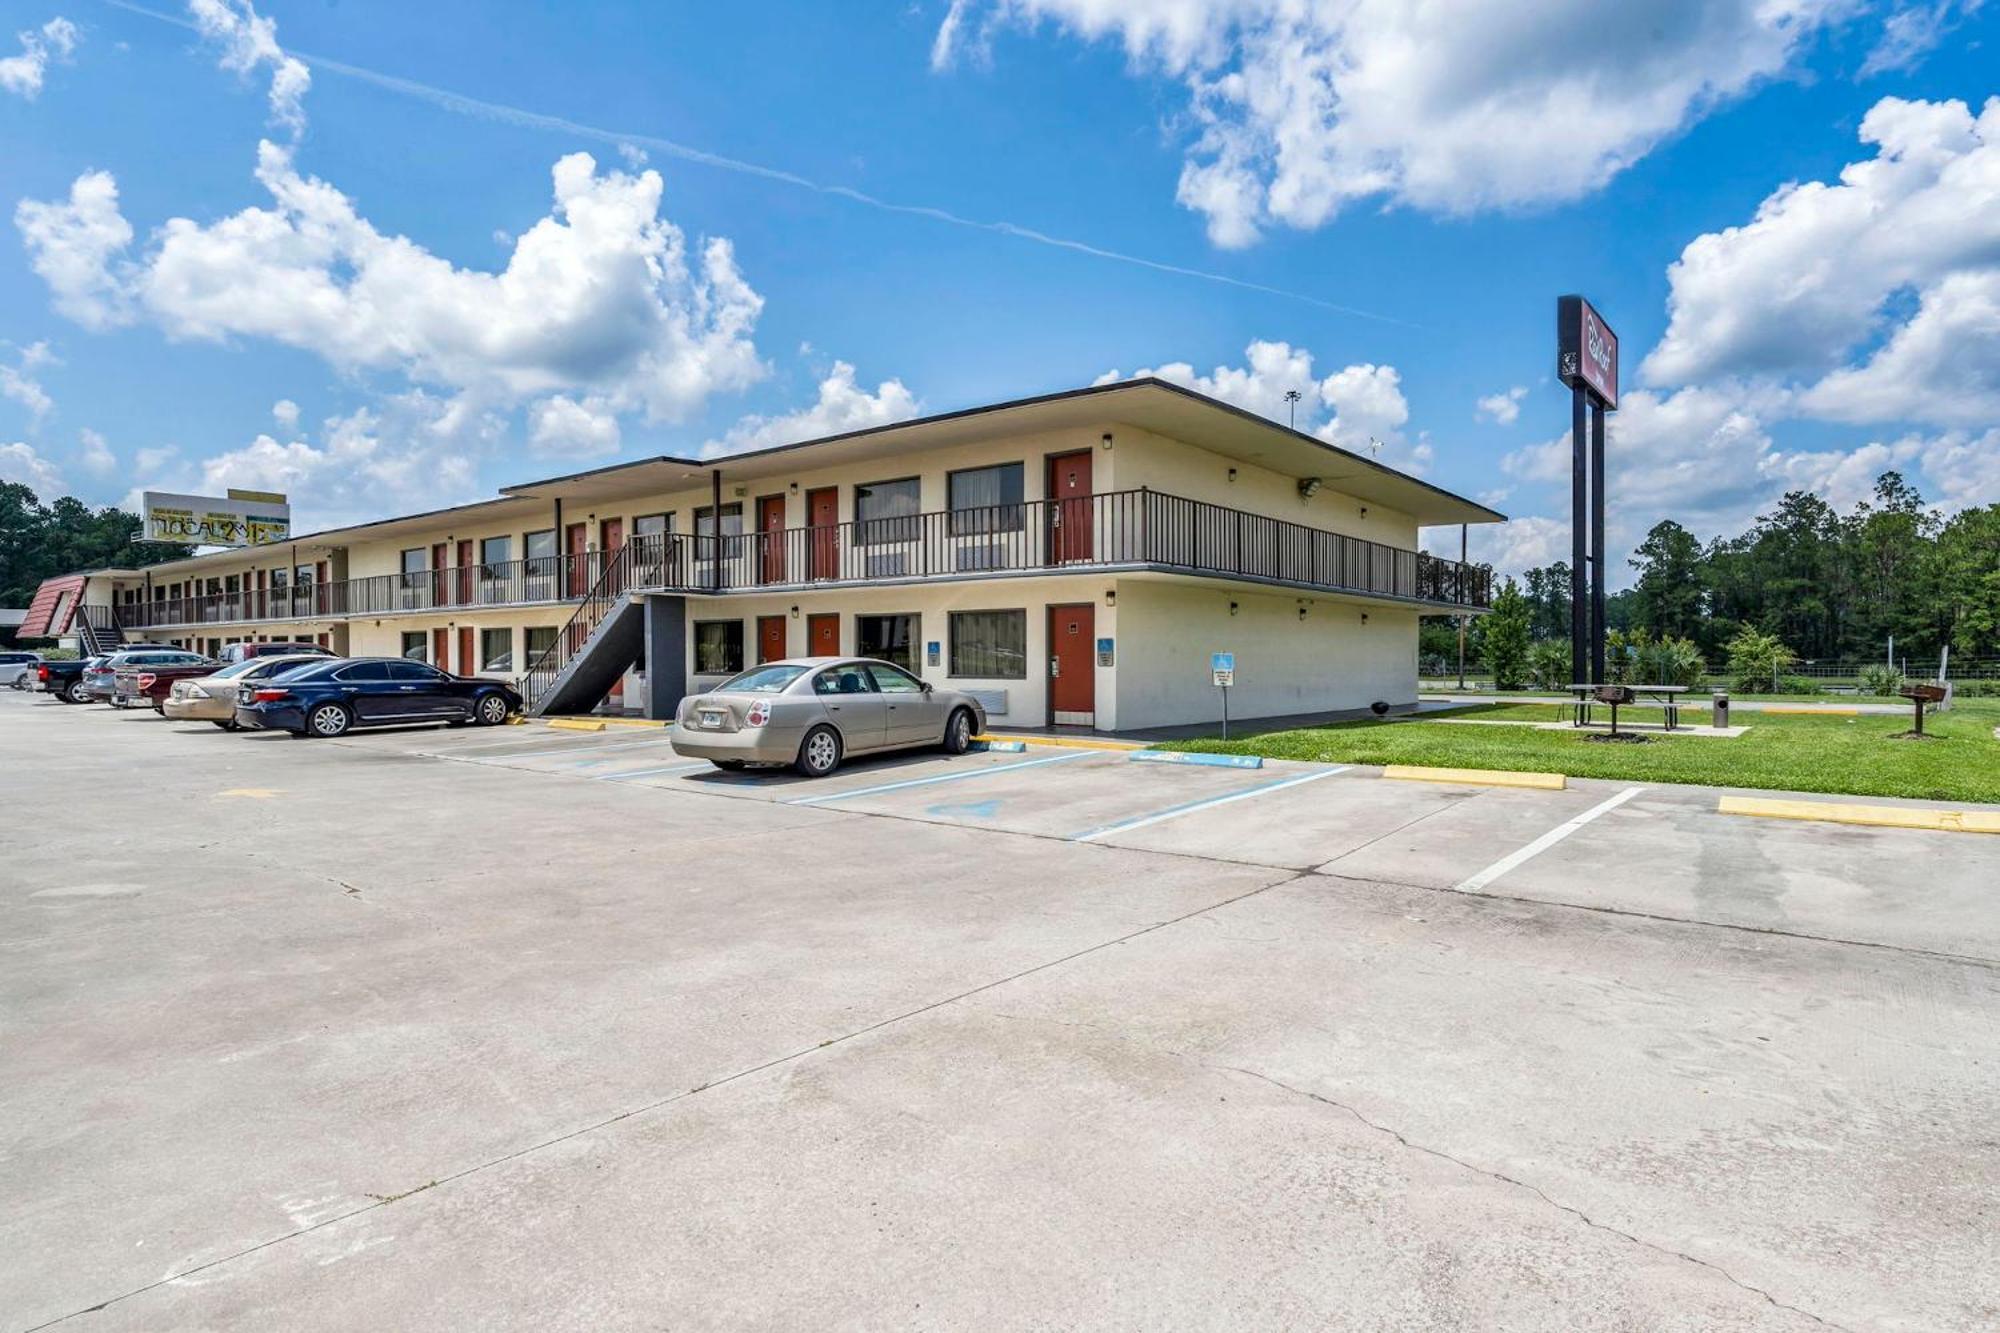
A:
631,722
576,723
1879,816
1480,777
1072,742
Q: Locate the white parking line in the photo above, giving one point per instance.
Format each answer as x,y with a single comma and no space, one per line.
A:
649,772
946,777
1555,835
575,748
1208,803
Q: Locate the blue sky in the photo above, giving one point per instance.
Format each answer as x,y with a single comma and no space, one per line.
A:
386,306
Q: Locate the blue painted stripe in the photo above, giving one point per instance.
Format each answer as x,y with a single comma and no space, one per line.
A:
1203,760
650,772
925,782
1208,802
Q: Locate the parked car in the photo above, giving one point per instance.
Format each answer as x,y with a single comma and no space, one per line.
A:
100,675
212,698
811,712
16,666
329,698
241,652
147,685
63,678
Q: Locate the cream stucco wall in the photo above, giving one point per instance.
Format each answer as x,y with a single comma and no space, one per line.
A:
1332,659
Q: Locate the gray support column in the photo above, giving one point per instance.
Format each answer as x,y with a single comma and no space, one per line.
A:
666,655
1597,675
1579,546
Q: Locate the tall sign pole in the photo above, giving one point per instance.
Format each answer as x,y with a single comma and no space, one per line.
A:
1587,361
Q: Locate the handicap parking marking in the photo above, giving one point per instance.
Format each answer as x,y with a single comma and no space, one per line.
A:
1205,803
1522,855
985,771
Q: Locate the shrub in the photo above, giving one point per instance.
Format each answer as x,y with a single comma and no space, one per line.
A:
1548,664
1507,638
1976,689
1676,661
1799,685
1756,660
1880,679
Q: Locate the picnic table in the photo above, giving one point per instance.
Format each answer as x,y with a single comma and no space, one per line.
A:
1668,696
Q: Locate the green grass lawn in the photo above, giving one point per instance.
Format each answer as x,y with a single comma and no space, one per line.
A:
1852,755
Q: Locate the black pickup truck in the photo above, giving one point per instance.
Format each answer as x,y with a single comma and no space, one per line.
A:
62,679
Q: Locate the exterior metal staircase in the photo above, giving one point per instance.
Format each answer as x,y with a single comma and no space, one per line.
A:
98,630
596,647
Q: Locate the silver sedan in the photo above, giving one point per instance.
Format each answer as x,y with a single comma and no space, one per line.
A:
811,712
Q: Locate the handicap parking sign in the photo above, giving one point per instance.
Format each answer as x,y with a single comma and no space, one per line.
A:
1223,667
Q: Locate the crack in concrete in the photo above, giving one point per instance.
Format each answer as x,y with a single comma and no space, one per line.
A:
1536,1190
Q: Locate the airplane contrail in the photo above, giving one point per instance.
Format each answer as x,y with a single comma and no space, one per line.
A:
460,104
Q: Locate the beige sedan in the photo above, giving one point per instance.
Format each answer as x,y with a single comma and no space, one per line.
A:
213,698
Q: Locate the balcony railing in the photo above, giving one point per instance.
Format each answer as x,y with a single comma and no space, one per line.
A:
1121,529
561,578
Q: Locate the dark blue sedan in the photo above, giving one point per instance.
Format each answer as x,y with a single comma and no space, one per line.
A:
329,698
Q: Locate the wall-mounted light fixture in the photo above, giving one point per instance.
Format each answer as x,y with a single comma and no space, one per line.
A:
793,488
1107,439
1232,608
1364,617
1309,487
1302,611
1364,511
1232,476
795,613
1111,597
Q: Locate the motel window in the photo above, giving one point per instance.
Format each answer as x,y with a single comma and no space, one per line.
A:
416,560
886,511
414,645
732,529
891,638
496,650
540,549
986,499
540,639
493,552
989,645
718,647
652,525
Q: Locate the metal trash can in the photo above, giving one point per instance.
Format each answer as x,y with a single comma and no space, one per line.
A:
1719,709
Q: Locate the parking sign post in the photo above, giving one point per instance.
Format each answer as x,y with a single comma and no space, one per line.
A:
1223,667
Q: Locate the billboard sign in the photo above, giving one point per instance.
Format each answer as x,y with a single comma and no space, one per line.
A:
1586,349
243,518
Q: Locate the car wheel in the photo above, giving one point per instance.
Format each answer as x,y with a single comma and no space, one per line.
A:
328,720
491,710
728,765
159,708
958,732
75,693
819,752
227,724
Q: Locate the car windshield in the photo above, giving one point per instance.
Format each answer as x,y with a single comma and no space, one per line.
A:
762,680
235,669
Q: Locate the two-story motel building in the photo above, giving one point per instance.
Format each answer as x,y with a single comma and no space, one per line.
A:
1075,558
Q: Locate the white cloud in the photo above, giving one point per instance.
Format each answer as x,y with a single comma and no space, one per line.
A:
1942,366
559,425
842,406
20,463
1513,547
286,413
1964,469
600,297
75,246
1913,32
1503,408
249,42
1816,273
1365,401
94,452
1301,108
53,42
18,382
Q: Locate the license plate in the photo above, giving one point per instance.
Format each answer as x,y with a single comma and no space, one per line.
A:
710,718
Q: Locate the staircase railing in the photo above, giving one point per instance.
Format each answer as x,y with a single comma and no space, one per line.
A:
99,629
610,587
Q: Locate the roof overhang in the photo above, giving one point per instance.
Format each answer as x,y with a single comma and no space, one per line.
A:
1146,404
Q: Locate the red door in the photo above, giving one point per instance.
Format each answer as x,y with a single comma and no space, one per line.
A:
440,649
576,543
770,638
257,611
771,536
1069,507
823,636
465,573
1073,665
610,538
823,517
466,665
440,584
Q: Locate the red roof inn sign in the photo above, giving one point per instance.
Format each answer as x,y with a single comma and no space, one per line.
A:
1586,349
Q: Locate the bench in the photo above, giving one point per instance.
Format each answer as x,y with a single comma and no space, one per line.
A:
1667,695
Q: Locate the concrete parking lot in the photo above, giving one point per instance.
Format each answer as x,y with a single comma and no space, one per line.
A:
524,1027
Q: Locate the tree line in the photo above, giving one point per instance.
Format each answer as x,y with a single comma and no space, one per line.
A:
1821,586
